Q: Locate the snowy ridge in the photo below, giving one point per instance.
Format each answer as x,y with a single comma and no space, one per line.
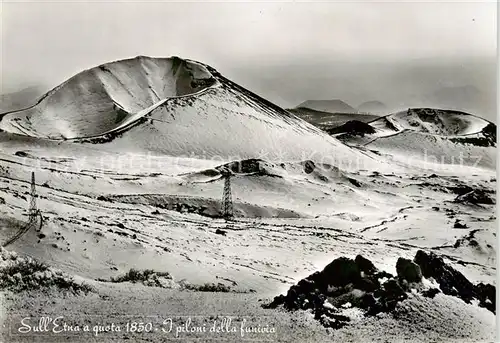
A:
332,106
175,107
106,97
428,120
224,121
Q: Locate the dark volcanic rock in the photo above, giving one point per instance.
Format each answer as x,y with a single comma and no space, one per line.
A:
251,165
392,294
476,196
490,132
365,265
309,166
408,270
339,272
431,293
451,281
459,225
359,283
220,232
21,153
486,295
352,127
343,281
354,182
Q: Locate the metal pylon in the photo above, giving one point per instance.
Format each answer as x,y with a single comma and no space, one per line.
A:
33,209
35,220
227,198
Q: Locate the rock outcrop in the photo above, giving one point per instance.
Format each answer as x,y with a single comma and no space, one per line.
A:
347,283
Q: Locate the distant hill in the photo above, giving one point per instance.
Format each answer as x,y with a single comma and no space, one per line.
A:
20,99
373,107
327,121
431,121
426,123
332,106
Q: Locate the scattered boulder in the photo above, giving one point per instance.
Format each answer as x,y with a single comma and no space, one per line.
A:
309,166
469,240
220,232
459,225
408,270
365,265
339,272
431,292
451,281
21,153
354,182
476,196
392,294
486,295
2,201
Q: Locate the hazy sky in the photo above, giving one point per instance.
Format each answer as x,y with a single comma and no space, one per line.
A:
49,42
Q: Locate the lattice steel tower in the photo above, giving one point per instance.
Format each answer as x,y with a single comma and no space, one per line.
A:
33,213
33,210
227,198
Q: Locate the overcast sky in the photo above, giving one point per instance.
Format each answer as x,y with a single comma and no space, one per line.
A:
49,42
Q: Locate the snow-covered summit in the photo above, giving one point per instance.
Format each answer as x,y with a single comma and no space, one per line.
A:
176,107
433,121
105,97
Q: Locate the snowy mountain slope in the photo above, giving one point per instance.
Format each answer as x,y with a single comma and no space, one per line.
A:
434,121
97,100
174,107
129,220
423,137
223,122
145,191
422,150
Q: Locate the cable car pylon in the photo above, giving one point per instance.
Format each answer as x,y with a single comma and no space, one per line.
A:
227,198
33,212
